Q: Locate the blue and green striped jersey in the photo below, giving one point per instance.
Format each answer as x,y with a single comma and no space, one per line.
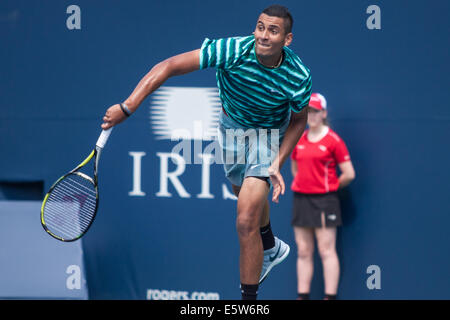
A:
254,95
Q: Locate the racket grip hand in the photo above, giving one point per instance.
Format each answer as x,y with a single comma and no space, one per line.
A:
103,138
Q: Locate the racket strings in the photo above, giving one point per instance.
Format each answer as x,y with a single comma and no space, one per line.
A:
71,207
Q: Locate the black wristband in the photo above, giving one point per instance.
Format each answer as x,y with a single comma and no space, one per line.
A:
124,110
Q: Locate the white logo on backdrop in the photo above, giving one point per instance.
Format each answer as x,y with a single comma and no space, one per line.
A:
185,112
374,281
73,22
74,279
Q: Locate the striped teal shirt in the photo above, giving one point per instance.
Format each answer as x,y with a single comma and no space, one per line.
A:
254,95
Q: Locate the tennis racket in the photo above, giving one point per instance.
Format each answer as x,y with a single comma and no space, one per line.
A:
70,206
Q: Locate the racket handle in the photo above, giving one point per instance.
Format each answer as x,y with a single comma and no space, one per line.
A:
103,138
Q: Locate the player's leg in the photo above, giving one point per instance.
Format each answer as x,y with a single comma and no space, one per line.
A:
304,238
267,236
265,218
250,206
326,244
275,250
265,228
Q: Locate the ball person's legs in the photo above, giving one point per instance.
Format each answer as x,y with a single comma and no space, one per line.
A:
326,243
304,238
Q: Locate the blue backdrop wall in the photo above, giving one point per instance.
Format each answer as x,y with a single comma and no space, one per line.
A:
387,91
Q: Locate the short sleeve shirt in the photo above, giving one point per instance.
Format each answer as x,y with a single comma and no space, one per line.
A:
252,94
317,162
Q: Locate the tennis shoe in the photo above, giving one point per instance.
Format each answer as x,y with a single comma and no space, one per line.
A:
273,256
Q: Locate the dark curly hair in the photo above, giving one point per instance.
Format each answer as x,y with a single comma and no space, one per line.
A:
280,11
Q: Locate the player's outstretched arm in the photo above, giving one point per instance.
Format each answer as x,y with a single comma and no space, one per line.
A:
173,66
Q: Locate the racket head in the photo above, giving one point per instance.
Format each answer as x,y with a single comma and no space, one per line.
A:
70,206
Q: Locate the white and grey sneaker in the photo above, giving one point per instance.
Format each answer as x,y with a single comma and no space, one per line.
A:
273,256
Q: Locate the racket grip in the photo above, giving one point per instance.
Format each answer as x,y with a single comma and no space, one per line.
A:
103,138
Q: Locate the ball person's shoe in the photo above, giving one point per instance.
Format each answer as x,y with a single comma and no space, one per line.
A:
273,256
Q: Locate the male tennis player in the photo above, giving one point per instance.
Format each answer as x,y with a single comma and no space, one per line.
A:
262,84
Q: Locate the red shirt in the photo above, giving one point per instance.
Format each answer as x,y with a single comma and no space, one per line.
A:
316,163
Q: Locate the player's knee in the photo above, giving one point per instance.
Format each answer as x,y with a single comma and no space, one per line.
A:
246,226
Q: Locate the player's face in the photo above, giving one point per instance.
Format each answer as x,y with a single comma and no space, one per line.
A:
316,117
270,36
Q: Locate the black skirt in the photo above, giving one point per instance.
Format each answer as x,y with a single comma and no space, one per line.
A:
308,209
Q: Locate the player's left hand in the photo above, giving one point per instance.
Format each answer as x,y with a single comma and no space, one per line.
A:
277,183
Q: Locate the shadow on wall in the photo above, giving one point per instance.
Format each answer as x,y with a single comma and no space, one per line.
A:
348,207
